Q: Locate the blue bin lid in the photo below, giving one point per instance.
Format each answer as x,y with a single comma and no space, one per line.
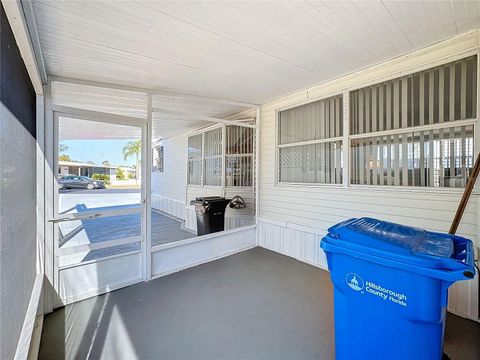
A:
399,242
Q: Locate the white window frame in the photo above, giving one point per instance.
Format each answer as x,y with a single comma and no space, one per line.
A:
278,146
345,91
211,157
161,156
251,155
200,160
420,128
223,156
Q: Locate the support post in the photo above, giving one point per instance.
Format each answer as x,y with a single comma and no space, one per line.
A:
257,164
147,188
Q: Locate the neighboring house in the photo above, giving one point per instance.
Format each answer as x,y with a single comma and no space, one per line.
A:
85,169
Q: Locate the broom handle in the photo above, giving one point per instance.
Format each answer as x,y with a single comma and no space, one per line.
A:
466,195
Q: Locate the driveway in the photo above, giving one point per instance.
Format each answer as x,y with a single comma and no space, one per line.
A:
99,198
165,229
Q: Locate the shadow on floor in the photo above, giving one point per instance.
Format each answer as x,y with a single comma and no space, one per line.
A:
253,305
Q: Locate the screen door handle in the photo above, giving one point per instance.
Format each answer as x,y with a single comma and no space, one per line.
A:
92,216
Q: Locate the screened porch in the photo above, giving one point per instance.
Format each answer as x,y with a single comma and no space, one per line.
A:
297,115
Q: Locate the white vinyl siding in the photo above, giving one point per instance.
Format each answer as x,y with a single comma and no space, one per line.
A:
293,217
416,130
195,153
310,142
239,156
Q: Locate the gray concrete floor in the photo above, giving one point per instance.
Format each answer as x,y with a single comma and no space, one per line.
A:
166,229
253,305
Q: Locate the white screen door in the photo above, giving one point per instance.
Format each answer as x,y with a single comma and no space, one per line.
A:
99,206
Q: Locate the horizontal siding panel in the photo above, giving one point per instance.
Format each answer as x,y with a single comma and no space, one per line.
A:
172,182
324,221
359,209
298,244
335,198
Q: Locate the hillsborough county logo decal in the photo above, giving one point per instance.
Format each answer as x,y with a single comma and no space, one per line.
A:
354,281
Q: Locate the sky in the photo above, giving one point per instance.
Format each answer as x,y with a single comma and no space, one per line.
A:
98,151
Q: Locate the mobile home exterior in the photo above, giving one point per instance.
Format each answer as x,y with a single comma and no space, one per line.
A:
295,214
287,106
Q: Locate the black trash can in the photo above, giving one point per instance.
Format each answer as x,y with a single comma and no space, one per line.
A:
210,214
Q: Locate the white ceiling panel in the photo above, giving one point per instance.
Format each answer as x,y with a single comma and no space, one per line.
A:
245,51
74,129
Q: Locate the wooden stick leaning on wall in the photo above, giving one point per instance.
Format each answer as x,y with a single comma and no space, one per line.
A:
466,196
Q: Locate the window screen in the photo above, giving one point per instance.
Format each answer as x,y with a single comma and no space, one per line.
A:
239,156
436,158
422,155
158,155
213,157
443,94
195,160
310,144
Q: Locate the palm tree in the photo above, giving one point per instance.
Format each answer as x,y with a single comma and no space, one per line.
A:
133,148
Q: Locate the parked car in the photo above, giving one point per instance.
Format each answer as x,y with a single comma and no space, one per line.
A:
79,182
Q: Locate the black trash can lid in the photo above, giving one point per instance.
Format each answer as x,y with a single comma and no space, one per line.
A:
210,198
205,200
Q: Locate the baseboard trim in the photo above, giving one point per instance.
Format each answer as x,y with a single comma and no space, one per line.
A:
100,291
220,256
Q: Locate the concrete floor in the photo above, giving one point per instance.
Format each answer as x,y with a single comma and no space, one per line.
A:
253,305
165,229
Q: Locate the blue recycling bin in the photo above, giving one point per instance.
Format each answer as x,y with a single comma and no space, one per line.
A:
390,288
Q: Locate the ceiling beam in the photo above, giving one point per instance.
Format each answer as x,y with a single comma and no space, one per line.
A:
158,92
180,115
205,98
24,36
89,115
99,84
27,7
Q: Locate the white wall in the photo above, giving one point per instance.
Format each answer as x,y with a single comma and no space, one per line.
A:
191,252
169,187
294,218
